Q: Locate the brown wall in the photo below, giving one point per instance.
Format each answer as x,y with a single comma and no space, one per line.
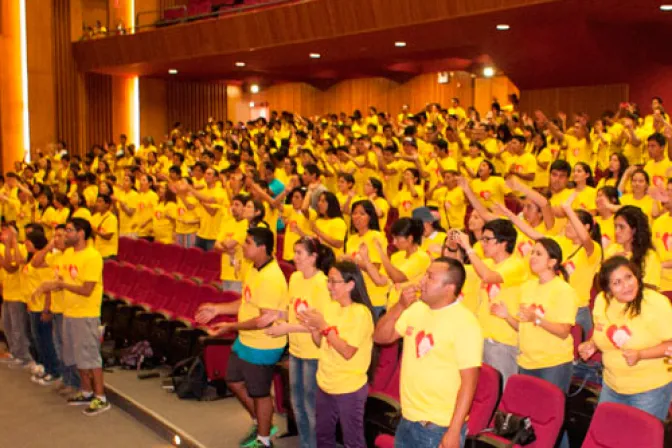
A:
153,108
590,99
192,103
93,10
98,109
488,89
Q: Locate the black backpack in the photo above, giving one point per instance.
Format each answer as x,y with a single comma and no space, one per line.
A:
189,378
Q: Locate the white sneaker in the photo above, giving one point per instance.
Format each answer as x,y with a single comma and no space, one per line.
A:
30,365
47,380
37,370
35,379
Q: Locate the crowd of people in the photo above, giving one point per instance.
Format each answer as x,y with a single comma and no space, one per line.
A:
473,240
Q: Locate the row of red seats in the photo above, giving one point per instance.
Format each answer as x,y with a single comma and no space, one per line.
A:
174,298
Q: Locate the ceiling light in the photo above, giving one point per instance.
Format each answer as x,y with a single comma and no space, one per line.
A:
254,88
172,71
251,104
666,8
400,44
503,27
315,55
240,64
488,72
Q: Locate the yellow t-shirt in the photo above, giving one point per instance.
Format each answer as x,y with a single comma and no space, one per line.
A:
437,345
12,281
453,209
106,223
384,207
523,164
557,200
127,224
651,267
491,191
210,224
146,204
164,228
335,228
586,200
542,176
305,293
607,229
377,294
556,302
645,204
470,289
406,203
185,215
58,268
83,266
354,324
578,150
662,242
262,289
616,331
658,172
433,244
83,213
90,195
237,231
413,266
32,278
514,274
295,219
434,168
580,267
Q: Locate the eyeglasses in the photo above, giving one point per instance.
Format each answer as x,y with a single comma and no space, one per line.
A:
333,281
70,230
486,239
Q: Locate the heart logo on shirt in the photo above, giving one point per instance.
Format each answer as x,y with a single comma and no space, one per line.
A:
424,342
619,336
74,271
493,290
407,205
667,241
292,225
247,294
517,168
525,248
158,215
181,211
658,181
576,152
569,267
538,310
300,306
448,204
141,206
606,241
485,194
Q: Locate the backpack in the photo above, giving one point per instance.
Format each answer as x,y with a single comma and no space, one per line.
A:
189,378
136,355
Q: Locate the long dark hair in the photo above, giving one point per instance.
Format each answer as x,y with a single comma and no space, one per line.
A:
325,258
554,252
633,308
370,210
590,181
333,206
378,186
408,227
641,238
594,229
351,273
258,221
623,165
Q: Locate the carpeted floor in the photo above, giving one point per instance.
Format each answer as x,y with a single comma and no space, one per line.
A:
215,424
33,416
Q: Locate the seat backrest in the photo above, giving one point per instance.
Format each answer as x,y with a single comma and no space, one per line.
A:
170,257
538,399
211,266
163,293
124,248
617,425
110,273
142,292
388,359
129,277
191,263
287,269
485,399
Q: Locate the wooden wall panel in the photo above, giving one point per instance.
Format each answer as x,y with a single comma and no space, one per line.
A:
488,89
192,103
41,84
153,108
590,99
11,120
93,10
99,107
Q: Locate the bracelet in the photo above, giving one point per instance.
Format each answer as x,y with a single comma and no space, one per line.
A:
328,330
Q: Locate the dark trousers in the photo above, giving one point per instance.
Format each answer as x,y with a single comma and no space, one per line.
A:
346,408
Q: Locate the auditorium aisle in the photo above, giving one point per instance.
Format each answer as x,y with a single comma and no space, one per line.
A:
37,417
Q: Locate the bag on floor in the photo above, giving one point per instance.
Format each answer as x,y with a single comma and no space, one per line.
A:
133,357
581,402
381,416
189,378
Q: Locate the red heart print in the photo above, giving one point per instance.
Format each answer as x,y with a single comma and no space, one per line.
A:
247,294
180,211
493,290
424,342
74,271
569,267
485,194
524,248
300,306
407,205
619,336
667,241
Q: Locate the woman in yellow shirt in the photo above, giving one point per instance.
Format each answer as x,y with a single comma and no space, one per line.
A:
545,319
344,333
78,207
543,155
307,290
373,189
639,180
165,214
147,200
618,164
584,188
489,188
607,202
329,226
411,195
632,330
433,235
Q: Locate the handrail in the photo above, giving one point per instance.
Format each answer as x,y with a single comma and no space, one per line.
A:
161,12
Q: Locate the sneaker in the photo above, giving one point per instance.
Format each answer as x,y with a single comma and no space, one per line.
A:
250,440
256,443
31,366
79,400
47,380
37,369
36,378
97,406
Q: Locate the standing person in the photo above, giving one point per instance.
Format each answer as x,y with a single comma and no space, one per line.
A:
230,242
126,201
501,276
443,348
105,228
83,294
344,334
147,202
632,330
165,214
251,364
307,290
329,226
212,201
187,221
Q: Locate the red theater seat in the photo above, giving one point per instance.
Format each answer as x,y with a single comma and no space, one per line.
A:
619,426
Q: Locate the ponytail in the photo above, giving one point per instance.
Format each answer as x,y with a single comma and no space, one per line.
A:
325,257
594,231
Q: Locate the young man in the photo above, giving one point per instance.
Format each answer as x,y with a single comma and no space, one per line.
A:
658,165
559,179
105,228
443,348
251,365
82,286
230,242
501,277
212,199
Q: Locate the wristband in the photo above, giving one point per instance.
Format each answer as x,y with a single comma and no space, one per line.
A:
328,330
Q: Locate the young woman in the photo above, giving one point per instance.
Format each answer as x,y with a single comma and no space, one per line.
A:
165,213
307,291
373,189
147,201
344,334
639,180
46,213
542,153
406,266
608,203
633,240
411,195
329,226
364,235
78,207
618,165
451,200
127,204
545,319
632,330
584,188
297,221
433,235
488,187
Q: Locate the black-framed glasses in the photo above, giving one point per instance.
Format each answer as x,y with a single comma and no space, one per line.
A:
486,239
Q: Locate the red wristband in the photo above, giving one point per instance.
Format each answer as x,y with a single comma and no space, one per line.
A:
328,330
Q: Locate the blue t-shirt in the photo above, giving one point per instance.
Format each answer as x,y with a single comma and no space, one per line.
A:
256,355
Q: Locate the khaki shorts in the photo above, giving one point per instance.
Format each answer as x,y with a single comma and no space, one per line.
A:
81,342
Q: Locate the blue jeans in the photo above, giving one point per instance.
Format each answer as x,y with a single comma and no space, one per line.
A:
560,375
655,402
303,384
414,434
70,374
378,311
44,344
585,319
206,245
